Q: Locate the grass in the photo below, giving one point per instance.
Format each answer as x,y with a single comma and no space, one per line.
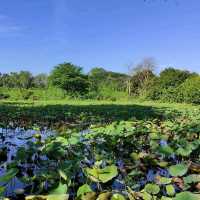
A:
45,113
97,102
155,137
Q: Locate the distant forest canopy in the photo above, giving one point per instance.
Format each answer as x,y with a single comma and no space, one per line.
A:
68,80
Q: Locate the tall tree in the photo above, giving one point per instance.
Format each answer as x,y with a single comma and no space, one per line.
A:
40,81
142,73
25,79
70,78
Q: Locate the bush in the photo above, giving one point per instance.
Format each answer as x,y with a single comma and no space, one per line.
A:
189,91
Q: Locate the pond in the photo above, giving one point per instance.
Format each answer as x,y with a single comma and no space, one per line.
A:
146,159
10,141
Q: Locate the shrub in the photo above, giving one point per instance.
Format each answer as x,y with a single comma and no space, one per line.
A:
189,91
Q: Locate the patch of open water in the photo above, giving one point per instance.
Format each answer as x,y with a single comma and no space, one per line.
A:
10,141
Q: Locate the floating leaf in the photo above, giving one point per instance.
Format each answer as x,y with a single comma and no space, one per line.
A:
152,188
163,180
178,170
146,196
186,151
170,190
61,189
162,164
58,197
117,197
165,198
166,150
104,196
193,178
83,190
73,140
134,156
89,196
102,175
187,196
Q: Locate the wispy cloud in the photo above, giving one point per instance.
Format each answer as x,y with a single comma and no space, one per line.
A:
8,27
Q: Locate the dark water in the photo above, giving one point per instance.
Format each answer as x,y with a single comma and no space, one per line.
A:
10,141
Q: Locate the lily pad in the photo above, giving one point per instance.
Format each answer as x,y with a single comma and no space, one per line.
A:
61,189
187,196
170,190
83,190
166,150
117,197
178,170
102,175
193,178
152,188
163,180
104,196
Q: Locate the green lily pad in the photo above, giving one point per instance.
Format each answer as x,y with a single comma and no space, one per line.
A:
152,188
178,170
163,180
61,189
187,196
58,197
104,196
146,196
186,151
117,197
170,190
89,196
193,178
166,150
102,175
165,198
83,190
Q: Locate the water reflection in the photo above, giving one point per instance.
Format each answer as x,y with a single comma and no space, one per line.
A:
10,141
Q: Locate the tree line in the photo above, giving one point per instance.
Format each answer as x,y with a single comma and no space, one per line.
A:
171,85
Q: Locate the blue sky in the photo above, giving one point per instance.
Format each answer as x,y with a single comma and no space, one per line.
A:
36,35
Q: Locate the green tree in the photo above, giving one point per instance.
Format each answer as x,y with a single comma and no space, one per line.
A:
164,87
25,79
70,78
142,75
189,90
171,77
40,81
96,77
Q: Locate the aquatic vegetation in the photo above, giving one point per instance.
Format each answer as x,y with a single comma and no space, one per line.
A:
138,159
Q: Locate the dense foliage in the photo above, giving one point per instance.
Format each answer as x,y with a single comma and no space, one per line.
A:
171,85
137,159
69,78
